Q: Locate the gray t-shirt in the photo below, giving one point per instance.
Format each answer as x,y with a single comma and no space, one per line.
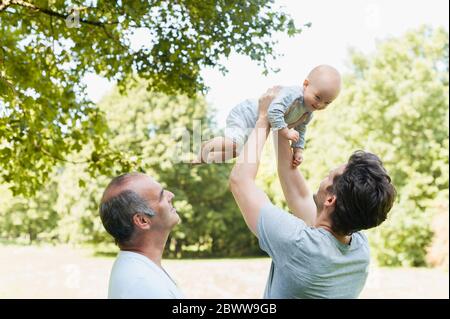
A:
309,262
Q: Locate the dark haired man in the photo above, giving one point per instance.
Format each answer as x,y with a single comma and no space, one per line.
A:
319,251
137,211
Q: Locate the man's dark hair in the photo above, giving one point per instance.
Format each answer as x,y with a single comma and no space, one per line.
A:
364,194
117,211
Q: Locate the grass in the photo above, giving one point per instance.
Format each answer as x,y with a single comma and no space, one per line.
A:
66,272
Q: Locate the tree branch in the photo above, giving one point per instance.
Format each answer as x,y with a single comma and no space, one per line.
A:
6,3
43,150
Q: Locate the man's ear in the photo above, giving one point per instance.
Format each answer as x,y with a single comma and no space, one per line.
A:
330,201
141,221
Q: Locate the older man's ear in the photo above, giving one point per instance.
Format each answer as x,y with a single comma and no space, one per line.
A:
141,221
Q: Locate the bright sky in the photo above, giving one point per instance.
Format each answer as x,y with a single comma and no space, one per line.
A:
336,26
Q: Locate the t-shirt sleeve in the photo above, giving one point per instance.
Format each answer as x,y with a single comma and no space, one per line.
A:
278,231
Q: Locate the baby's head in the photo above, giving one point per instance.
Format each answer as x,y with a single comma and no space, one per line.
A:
321,87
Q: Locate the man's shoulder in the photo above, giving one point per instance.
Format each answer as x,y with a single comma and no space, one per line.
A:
130,265
269,210
134,277
362,243
360,239
278,224
314,237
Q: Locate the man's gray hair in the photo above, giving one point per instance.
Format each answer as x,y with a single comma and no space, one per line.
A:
117,213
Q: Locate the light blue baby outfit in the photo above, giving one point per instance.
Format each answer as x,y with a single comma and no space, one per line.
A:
286,110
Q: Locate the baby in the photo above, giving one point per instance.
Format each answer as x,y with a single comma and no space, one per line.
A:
289,114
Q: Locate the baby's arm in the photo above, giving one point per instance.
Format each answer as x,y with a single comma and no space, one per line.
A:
301,129
277,109
299,145
297,157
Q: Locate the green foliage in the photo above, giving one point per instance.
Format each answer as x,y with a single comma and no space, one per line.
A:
46,49
145,128
149,127
29,221
404,238
394,104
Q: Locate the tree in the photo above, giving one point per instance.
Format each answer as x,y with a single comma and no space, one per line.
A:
395,104
47,47
149,127
145,127
29,221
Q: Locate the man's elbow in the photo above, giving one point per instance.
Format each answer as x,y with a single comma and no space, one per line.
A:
238,180
233,181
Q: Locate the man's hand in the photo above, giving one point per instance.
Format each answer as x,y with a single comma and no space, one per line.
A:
266,99
290,134
297,157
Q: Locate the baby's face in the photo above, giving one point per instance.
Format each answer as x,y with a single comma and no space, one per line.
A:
317,96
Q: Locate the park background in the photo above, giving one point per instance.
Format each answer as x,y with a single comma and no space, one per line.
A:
74,113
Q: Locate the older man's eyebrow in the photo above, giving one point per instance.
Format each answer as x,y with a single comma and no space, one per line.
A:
161,194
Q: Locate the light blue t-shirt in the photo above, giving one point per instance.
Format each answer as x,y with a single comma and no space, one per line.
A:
135,276
309,262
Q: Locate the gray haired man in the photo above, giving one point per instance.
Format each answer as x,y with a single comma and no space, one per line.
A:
137,211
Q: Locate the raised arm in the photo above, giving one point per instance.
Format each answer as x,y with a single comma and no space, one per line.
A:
248,196
298,196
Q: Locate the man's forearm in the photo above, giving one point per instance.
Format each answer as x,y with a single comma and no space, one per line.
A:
283,132
249,197
293,184
248,161
287,173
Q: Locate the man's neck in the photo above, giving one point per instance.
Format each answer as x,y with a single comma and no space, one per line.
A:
341,238
324,222
151,246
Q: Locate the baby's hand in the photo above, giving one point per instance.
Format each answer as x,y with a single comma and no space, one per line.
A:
297,158
292,135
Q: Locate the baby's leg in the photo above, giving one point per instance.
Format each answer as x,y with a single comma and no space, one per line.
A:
230,150
216,145
241,118
218,150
